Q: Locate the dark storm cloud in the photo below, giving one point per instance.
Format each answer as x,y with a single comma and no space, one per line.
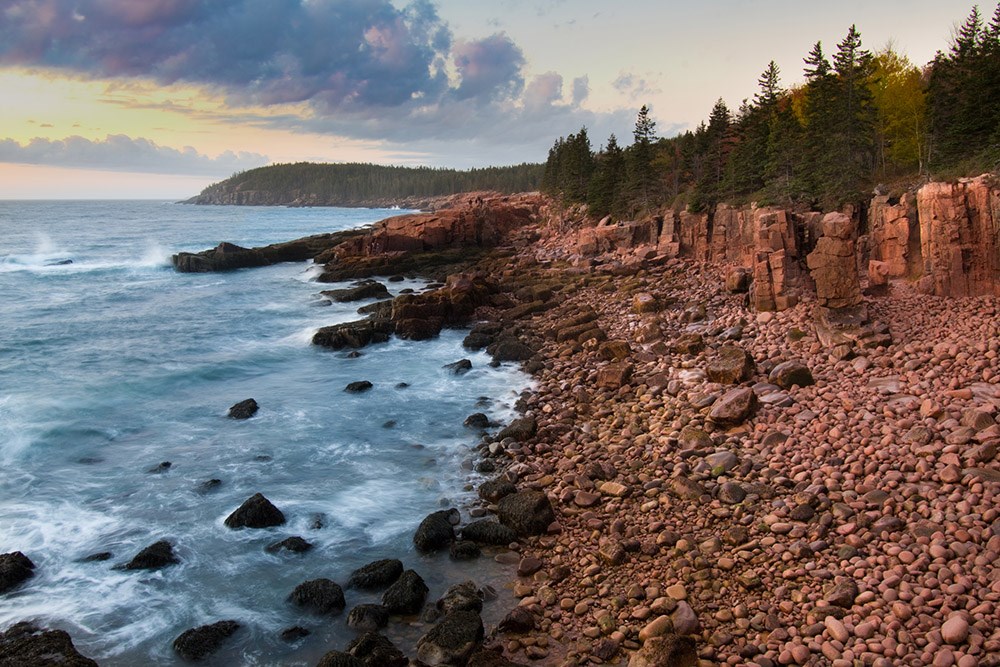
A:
121,153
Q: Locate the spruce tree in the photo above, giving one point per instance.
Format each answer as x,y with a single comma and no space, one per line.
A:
639,159
605,196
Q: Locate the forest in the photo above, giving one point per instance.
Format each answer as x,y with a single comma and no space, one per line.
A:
860,122
355,184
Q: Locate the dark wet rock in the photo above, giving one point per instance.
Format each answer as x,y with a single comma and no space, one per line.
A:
156,555
396,278
339,659
493,490
477,341
15,568
365,289
380,310
460,367
368,617
518,620
673,650
375,650
227,257
98,557
294,544
160,468
789,373
208,485
26,645
294,633
389,424
491,658
526,512
317,521
451,641
358,387
203,641
256,512
486,467
244,409
519,429
510,349
402,385
434,533
406,595
320,596
461,597
376,575
464,550
488,531
477,420
353,334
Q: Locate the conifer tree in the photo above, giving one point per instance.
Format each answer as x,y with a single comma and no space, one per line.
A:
605,195
639,159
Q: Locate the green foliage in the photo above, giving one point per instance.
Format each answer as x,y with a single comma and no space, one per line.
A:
364,184
569,168
855,121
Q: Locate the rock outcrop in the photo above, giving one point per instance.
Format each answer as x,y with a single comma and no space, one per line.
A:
228,256
26,644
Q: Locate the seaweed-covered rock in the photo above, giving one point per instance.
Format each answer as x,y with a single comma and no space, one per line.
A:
375,575
406,595
487,531
15,568
203,641
434,533
368,617
321,596
461,597
464,550
244,409
25,644
156,555
451,641
375,650
526,512
256,512
493,490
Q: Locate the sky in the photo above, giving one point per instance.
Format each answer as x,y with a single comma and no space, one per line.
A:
160,98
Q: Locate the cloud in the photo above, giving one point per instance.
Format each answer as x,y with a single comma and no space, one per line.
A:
633,86
122,153
364,69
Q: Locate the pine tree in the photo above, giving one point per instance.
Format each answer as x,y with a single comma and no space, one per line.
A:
716,141
639,159
605,196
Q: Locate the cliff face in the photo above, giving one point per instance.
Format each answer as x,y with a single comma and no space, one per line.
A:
945,235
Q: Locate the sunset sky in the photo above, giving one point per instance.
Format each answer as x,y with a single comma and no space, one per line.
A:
159,98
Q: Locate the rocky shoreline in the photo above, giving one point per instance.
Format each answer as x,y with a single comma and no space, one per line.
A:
722,464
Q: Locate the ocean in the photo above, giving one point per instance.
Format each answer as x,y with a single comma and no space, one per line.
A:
113,365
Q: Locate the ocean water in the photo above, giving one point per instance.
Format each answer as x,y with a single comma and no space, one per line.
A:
114,363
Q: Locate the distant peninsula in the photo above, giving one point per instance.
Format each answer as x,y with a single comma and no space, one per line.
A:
362,185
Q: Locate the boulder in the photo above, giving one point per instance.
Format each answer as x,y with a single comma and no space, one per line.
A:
320,596
434,533
488,531
464,550
645,303
203,641
789,373
460,367
365,289
406,595
451,641
461,597
689,343
295,545
668,650
731,364
614,376
339,659
510,349
156,555
294,633
738,280
518,621
368,617
734,407
358,387
224,257
376,575
244,409
25,644
493,490
375,650
353,335
519,429
256,512
477,420
15,568
526,512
